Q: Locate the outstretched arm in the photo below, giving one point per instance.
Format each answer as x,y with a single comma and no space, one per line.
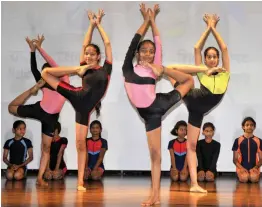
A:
144,27
152,16
200,44
38,44
48,59
156,35
34,70
88,36
221,44
128,62
107,44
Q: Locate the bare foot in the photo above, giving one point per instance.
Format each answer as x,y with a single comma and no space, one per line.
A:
81,188
41,183
153,200
197,189
37,86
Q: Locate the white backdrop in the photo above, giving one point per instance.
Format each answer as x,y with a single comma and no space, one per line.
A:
64,25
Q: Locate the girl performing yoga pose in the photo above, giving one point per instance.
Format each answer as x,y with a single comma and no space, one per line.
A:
213,87
140,81
95,81
46,111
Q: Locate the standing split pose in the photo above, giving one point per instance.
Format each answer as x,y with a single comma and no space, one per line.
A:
213,87
46,111
140,84
95,81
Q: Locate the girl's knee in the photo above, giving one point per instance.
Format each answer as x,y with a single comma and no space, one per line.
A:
18,175
184,177
254,177
48,176
201,176
174,177
46,148
9,175
81,145
210,177
96,177
243,178
191,145
155,155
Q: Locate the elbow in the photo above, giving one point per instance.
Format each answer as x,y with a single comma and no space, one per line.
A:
107,43
235,161
224,48
196,48
60,154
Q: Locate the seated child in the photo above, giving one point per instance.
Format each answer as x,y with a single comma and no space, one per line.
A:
177,149
18,148
247,152
96,149
207,154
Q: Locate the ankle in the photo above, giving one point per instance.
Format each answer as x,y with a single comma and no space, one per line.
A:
194,184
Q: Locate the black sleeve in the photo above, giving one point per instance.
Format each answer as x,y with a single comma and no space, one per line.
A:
170,144
6,145
64,141
199,156
28,143
34,70
128,63
107,67
216,152
104,144
235,145
260,147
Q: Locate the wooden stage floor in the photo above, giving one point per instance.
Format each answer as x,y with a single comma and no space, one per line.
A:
128,192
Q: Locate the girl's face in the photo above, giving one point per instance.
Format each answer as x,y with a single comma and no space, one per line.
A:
249,127
91,56
95,130
56,133
20,130
146,53
182,131
211,59
208,132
